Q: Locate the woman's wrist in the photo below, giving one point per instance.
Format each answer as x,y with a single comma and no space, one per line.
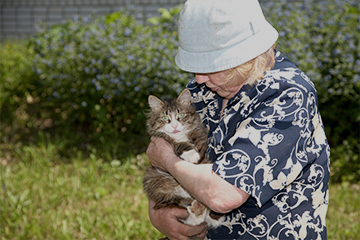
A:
172,164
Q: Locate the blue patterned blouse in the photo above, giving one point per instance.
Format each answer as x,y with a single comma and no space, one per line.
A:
271,144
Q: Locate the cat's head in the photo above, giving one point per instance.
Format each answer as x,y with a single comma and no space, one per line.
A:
175,117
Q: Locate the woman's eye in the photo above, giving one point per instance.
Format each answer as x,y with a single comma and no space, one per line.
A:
165,118
181,115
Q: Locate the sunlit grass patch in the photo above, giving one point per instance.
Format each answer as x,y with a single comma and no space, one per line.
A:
45,197
343,217
84,199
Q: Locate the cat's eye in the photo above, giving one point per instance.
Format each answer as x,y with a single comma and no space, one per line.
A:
181,115
165,118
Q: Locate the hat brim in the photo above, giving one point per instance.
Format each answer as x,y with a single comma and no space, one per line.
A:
220,60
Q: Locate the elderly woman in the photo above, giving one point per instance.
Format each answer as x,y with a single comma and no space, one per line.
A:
270,155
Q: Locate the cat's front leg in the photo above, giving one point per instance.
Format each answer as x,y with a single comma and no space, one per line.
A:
187,152
191,156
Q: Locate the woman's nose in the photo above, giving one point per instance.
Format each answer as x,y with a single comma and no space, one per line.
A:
201,78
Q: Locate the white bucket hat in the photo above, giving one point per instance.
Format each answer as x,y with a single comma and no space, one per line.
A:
215,35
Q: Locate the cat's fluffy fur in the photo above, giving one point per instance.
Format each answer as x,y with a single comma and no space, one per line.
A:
177,122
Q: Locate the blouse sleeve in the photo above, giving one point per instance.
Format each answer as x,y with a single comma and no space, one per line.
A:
273,143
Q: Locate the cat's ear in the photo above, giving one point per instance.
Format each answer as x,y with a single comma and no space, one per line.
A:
155,103
184,97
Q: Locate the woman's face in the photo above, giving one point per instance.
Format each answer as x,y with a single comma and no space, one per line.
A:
217,83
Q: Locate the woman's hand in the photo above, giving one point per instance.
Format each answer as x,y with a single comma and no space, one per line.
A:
167,221
159,152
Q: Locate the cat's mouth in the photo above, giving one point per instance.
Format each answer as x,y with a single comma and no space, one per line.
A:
176,131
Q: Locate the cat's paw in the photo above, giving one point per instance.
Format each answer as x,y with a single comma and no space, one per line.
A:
214,223
191,156
197,213
197,208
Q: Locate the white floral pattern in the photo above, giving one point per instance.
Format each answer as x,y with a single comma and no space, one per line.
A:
271,144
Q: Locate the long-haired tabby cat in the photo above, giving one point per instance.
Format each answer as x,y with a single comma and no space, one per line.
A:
177,122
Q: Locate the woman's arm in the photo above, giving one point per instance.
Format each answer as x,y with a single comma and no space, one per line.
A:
200,180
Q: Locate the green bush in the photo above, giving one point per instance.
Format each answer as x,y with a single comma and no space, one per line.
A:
15,68
17,81
97,73
322,38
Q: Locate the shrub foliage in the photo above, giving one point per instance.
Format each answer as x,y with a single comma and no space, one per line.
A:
97,73
90,77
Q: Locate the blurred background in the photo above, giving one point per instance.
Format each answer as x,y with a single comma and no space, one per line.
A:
75,77
18,17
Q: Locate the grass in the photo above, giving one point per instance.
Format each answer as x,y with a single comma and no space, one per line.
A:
343,216
83,199
42,197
